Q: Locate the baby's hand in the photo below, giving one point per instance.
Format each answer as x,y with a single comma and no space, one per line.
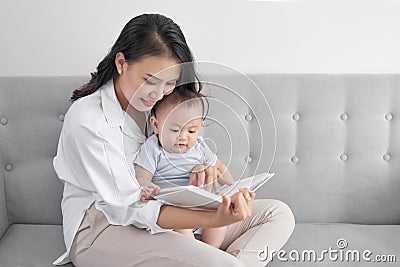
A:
149,191
204,175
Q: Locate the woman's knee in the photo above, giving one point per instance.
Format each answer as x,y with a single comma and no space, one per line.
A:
286,212
276,210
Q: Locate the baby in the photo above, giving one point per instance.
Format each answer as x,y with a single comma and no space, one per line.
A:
170,154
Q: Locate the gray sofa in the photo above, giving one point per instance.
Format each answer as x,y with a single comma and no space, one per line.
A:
337,164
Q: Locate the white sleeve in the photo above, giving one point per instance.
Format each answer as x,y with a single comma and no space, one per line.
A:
209,157
148,154
96,162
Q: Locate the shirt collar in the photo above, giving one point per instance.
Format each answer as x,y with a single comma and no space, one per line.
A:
115,116
111,107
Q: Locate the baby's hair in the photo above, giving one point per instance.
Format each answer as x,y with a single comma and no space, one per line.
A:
182,96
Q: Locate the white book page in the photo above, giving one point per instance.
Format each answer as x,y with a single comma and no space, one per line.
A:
198,198
190,197
252,182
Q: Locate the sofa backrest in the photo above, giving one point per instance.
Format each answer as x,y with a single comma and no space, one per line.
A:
337,156
338,142
338,146
31,112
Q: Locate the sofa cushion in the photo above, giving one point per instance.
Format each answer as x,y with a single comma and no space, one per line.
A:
31,245
379,239
39,245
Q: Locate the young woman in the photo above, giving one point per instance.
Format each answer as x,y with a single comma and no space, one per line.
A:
104,220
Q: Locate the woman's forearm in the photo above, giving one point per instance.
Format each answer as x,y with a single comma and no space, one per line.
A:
171,217
232,209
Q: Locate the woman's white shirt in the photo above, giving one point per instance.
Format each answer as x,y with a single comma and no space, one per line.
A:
95,160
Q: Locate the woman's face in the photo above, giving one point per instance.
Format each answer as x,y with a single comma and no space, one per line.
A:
145,82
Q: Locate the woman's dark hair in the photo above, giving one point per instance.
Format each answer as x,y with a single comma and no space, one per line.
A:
146,35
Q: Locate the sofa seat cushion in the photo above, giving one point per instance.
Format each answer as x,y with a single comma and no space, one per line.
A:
31,245
39,245
379,239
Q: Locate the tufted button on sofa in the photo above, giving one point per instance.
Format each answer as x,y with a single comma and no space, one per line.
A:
331,140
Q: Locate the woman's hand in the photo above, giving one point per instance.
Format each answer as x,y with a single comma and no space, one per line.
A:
149,191
205,175
235,208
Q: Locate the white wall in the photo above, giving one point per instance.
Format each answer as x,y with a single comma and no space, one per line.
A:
52,37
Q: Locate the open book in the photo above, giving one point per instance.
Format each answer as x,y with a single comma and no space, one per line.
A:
198,198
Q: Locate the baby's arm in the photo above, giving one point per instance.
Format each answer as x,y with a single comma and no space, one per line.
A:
214,236
144,178
225,177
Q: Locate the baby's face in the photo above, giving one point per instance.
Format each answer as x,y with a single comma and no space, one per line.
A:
178,127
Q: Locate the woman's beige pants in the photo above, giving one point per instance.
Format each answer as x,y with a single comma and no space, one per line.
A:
97,243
